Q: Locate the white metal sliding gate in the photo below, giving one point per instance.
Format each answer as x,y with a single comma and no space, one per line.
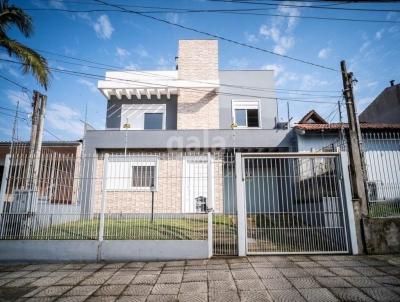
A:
294,203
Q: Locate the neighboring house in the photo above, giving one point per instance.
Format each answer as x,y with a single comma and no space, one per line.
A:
168,121
67,148
380,143
57,170
385,108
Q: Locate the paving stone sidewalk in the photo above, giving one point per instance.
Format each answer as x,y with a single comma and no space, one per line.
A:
263,278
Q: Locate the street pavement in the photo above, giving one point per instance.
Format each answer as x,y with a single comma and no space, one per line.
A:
258,278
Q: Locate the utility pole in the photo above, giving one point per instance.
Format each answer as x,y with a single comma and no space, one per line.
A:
355,155
35,146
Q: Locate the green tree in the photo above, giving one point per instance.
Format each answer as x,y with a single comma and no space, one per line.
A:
11,15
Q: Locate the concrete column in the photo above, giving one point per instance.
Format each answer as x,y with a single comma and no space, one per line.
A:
348,202
4,182
241,205
210,204
103,198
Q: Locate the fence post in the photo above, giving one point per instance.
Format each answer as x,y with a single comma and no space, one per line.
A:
210,204
4,181
103,198
349,202
241,205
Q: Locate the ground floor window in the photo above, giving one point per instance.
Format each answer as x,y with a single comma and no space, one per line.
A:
135,173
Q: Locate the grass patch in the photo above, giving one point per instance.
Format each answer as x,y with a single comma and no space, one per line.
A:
136,229
384,209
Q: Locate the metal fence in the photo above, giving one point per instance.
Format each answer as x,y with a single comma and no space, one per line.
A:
381,156
140,196
295,204
225,232
382,162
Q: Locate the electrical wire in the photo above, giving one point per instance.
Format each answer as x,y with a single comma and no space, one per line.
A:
227,85
215,11
219,37
114,67
15,83
310,6
27,120
120,80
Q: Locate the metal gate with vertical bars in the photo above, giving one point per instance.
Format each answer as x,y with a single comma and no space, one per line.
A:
294,203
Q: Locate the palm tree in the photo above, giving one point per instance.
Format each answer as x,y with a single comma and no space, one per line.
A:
11,15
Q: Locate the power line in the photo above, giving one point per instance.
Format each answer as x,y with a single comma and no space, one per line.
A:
100,77
310,6
166,76
13,110
227,85
25,119
255,2
15,83
215,11
219,37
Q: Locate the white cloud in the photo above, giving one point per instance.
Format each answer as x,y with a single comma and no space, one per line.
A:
15,96
324,53
286,77
282,42
14,73
141,51
252,38
279,30
161,61
121,52
63,118
59,4
270,32
238,63
131,66
309,81
379,34
371,84
278,69
92,87
365,45
172,17
68,51
103,27
292,12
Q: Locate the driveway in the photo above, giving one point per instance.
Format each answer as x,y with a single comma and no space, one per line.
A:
261,278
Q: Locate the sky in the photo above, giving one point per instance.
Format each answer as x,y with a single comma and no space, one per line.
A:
129,41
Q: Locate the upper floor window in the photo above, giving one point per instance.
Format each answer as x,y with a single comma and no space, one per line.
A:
153,120
246,114
143,116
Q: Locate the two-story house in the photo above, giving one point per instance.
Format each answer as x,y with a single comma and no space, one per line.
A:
167,122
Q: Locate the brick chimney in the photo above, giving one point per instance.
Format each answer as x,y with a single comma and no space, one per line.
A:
198,107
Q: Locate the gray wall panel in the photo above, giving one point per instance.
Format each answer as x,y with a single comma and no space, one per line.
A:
113,120
247,85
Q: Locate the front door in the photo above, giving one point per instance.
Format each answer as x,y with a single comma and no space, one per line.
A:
194,184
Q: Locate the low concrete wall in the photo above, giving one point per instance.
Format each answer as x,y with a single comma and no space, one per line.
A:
107,250
382,235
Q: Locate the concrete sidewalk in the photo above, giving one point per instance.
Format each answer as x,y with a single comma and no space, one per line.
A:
264,278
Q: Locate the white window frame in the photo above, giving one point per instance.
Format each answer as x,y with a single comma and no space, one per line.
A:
131,161
246,104
139,110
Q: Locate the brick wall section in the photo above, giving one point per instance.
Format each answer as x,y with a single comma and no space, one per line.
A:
198,60
168,197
